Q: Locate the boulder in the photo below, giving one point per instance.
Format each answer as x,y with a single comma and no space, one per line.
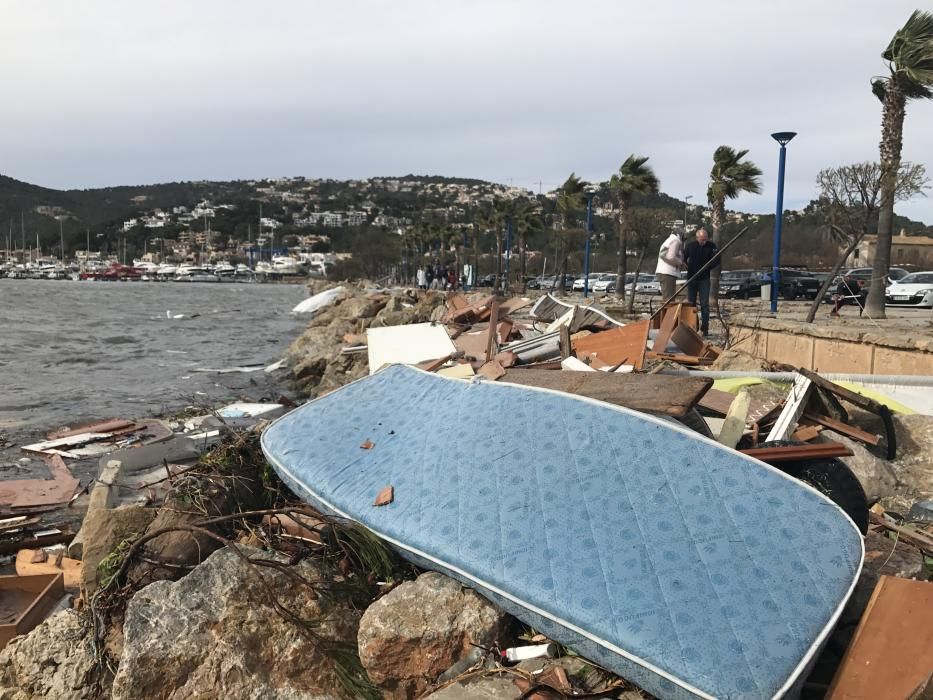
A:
215,634
54,660
914,461
496,687
738,361
410,636
874,473
102,532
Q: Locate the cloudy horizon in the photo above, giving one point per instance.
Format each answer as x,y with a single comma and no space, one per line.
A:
105,93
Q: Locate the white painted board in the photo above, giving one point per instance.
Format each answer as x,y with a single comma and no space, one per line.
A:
407,345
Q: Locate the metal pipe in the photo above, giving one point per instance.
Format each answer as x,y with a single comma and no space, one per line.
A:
904,379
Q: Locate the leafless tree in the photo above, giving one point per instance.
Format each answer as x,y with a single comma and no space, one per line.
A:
849,197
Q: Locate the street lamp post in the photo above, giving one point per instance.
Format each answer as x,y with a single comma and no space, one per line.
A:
782,137
586,251
686,199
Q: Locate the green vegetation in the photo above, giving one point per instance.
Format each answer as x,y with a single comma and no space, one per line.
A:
635,177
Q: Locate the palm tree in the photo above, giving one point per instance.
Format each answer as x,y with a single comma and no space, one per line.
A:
570,198
634,177
910,64
493,219
730,176
526,218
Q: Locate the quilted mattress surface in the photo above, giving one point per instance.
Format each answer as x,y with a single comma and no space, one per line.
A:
688,568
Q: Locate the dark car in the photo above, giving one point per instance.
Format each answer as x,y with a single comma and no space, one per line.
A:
486,280
740,284
795,284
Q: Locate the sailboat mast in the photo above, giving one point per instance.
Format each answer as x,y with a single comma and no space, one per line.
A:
61,234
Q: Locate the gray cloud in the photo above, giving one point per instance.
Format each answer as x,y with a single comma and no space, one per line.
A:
112,93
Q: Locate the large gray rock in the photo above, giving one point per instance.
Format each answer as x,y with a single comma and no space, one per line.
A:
214,634
914,461
55,660
104,529
874,473
410,636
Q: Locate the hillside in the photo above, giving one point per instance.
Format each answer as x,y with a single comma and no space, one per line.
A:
352,213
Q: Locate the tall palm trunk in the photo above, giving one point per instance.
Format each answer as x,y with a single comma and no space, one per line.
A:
475,274
718,216
623,244
892,130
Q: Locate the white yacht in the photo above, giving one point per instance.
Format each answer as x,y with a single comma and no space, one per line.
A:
194,273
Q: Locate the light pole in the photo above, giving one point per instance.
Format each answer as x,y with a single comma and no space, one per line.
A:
508,249
782,137
686,199
586,251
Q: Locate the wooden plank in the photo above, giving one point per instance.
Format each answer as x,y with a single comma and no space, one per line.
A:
842,428
717,401
793,408
70,568
491,370
891,653
734,425
915,537
691,360
792,453
565,346
688,340
503,330
689,316
492,347
862,402
625,345
655,393
668,323
807,432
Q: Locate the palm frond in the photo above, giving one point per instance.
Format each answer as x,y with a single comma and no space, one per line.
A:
634,177
731,175
910,55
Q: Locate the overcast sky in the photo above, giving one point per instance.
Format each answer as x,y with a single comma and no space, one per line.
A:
106,93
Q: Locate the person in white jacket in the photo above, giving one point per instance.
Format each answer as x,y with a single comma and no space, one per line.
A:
670,260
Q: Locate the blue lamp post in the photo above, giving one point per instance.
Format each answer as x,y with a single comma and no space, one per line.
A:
782,137
586,251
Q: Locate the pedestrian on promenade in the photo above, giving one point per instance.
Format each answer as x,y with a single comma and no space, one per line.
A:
421,278
698,253
670,260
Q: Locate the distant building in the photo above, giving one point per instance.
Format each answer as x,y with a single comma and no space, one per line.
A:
905,250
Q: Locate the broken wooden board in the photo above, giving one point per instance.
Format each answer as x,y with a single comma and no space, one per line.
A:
717,401
492,341
617,346
473,313
654,393
805,433
843,428
30,493
491,370
688,340
409,344
69,568
668,322
794,406
864,402
734,425
513,304
110,425
60,446
793,453
473,343
891,653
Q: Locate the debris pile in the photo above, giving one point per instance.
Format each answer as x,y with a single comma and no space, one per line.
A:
196,572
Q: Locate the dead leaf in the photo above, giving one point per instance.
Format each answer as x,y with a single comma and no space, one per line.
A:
367,445
385,497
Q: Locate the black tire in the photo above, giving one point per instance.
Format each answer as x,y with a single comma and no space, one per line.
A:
743,294
833,479
788,294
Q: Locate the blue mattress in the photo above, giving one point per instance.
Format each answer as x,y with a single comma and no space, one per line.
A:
688,568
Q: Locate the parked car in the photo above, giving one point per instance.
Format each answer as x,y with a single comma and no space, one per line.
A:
798,283
914,290
645,284
602,284
864,274
740,284
594,277
486,280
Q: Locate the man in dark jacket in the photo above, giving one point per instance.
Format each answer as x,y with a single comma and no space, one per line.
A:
696,254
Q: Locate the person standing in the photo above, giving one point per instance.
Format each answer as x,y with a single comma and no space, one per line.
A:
670,260
698,253
421,278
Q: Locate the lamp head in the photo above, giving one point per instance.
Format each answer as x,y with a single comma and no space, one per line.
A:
782,137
